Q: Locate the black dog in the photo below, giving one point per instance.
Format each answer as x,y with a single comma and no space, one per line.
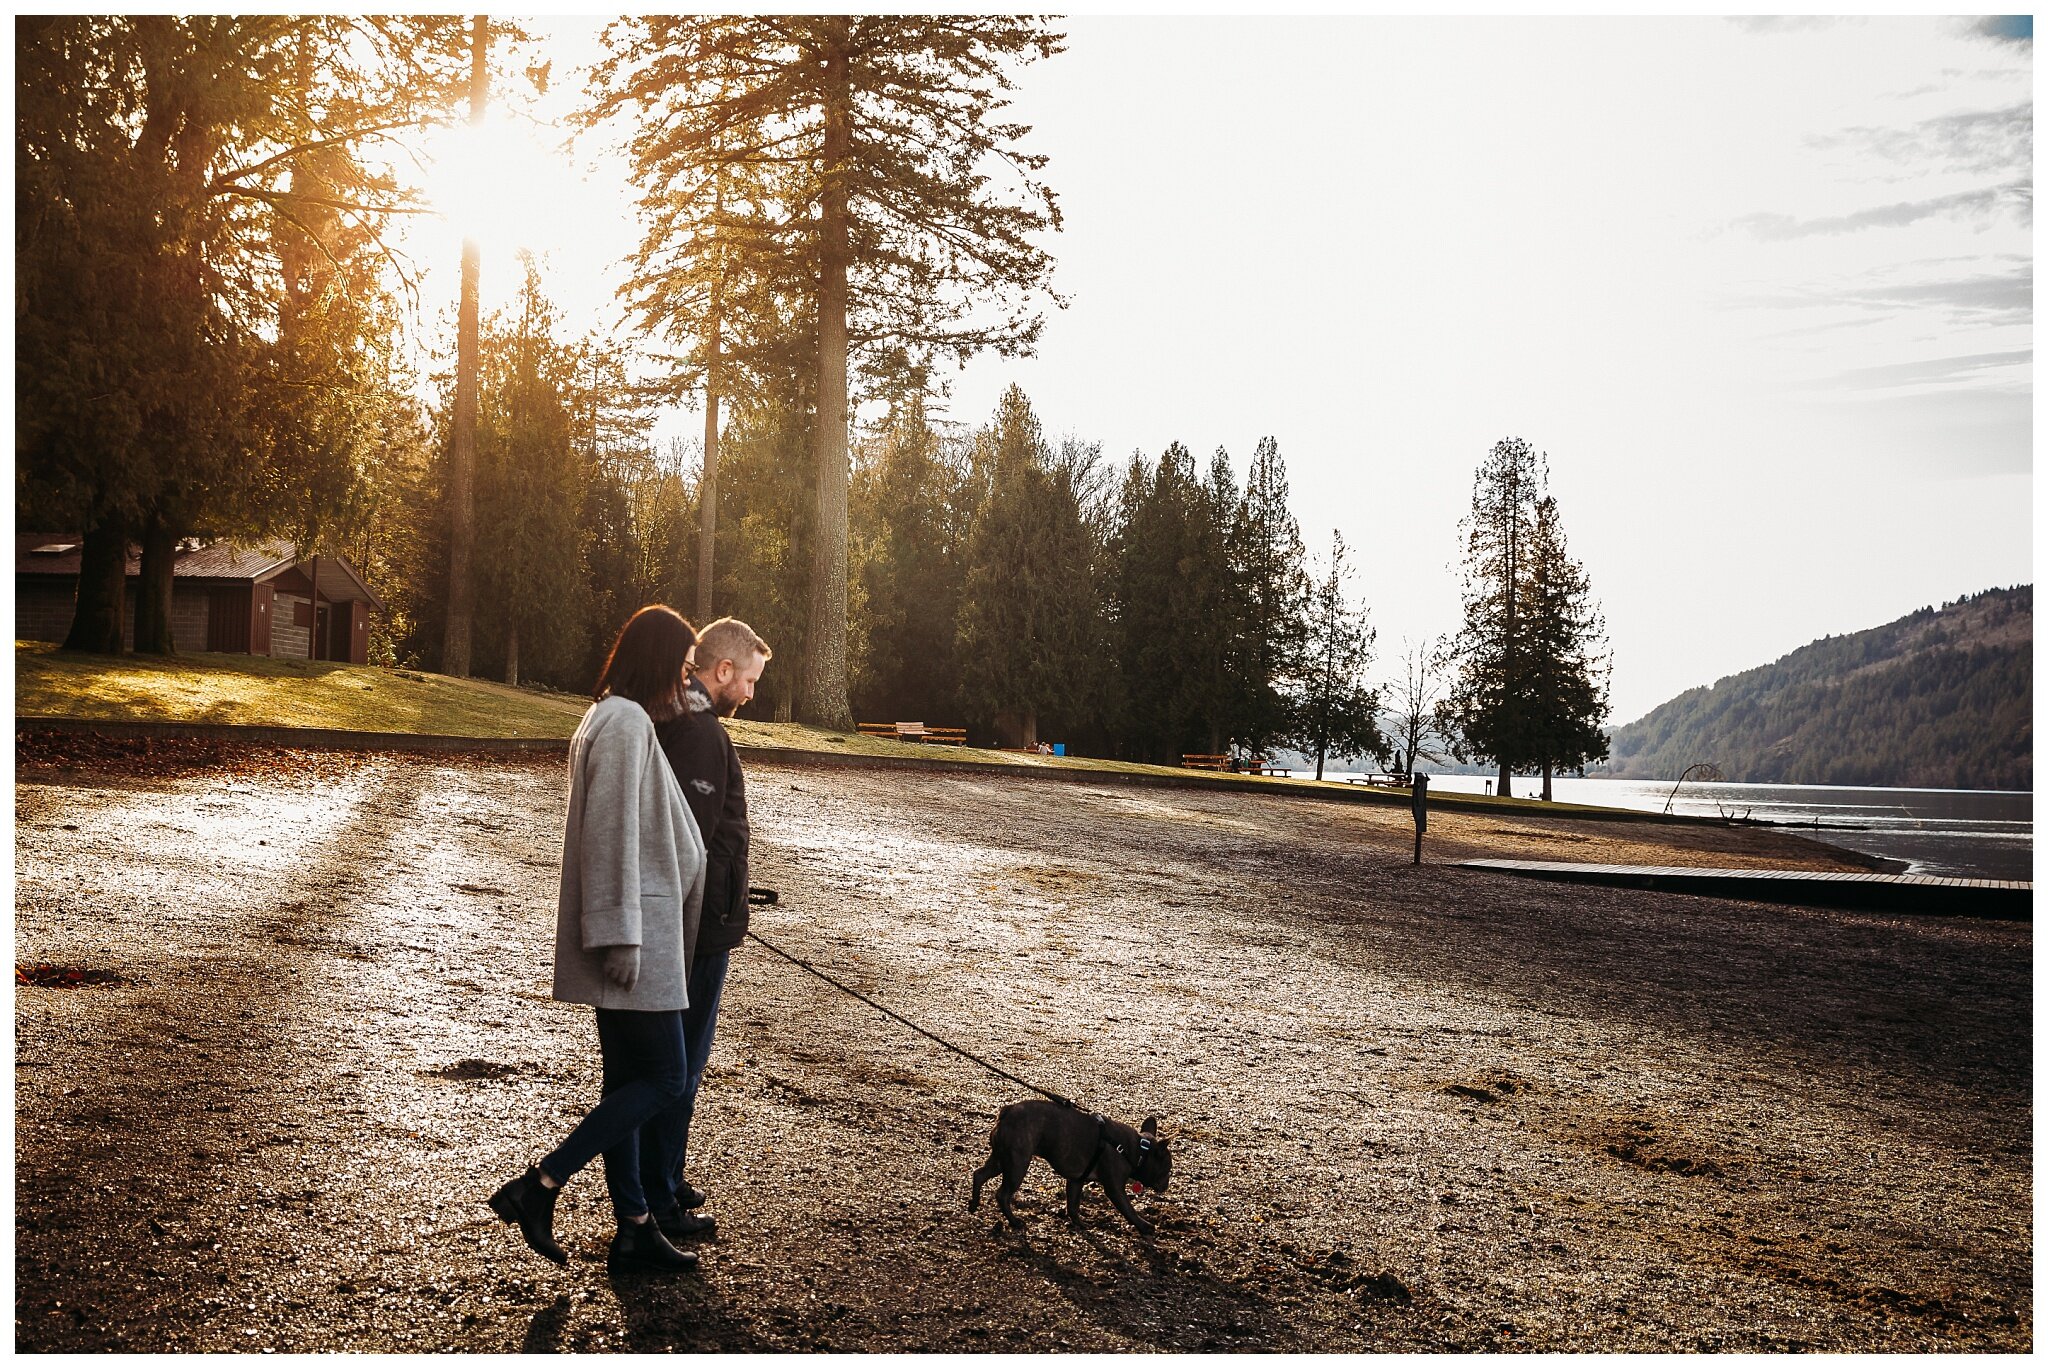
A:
1080,1146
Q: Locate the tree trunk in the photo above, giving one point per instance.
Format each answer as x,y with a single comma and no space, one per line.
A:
1017,729
512,654
707,485
1505,770
1546,781
1319,760
153,588
462,447
97,621
707,495
823,700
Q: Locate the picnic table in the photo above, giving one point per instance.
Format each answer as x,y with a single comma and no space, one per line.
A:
1199,761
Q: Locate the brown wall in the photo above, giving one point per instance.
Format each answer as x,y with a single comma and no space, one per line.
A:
43,608
359,633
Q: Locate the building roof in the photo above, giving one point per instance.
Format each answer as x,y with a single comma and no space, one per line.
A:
57,553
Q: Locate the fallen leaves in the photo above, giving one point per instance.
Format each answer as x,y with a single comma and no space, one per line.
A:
47,976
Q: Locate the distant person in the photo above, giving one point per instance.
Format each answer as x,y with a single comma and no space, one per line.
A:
632,888
729,661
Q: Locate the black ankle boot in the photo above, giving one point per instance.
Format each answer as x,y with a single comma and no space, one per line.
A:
531,1203
641,1243
688,1197
679,1224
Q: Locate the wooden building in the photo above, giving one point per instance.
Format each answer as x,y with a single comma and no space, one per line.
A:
263,600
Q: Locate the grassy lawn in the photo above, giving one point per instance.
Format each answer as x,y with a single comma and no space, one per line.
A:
260,691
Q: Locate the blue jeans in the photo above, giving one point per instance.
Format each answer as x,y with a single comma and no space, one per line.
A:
646,1071
700,1023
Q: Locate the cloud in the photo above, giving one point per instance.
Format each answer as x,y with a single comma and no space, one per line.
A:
2019,195
2006,28
2010,296
1784,23
2000,140
1983,300
1940,371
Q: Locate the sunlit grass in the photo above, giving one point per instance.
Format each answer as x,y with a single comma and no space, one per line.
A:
260,691
263,692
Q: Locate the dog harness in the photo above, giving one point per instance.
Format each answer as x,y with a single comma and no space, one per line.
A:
1103,1143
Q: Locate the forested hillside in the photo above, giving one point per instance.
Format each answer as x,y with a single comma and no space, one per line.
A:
1942,698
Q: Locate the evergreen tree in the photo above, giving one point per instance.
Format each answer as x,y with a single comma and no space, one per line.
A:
905,511
1271,586
1217,627
1567,652
1175,608
1153,508
764,533
1336,710
879,134
635,507
171,173
1490,705
1027,616
529,483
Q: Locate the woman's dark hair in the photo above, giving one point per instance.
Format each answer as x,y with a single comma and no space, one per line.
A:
646,662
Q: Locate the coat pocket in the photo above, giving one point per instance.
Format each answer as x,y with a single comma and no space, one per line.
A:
660,910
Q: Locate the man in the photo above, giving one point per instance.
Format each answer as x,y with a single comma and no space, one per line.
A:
728,663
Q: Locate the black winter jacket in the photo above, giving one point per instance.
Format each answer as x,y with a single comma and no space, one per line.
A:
707,766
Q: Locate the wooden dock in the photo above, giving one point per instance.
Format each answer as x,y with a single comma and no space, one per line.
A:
2011,899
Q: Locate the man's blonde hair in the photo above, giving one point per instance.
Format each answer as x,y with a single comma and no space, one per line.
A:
728,639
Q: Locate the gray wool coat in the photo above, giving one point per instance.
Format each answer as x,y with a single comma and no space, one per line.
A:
632,865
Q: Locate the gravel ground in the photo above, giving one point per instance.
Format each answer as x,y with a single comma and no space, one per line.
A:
1411,1108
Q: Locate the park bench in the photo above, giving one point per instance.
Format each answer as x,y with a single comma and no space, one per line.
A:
1380,781
916,732
1259,765
1201,762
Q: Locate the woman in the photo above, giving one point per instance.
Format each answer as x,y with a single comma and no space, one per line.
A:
632,888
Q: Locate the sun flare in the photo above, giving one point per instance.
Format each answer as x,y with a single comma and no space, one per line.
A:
504,182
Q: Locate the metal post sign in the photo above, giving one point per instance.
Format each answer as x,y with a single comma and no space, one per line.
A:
1419,800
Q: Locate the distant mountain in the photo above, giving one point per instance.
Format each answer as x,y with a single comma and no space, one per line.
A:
1940,699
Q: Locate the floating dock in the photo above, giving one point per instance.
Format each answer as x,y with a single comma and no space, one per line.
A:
2011,899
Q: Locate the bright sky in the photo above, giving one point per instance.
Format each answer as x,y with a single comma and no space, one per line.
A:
1761,289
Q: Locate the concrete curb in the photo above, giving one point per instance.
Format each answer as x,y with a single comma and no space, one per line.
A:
336,739
2010,900
304,738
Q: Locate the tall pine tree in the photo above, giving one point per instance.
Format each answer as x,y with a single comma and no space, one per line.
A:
1271,584
882,136
906,512
1027,614
1490,703
1567,665
1335,709
529,488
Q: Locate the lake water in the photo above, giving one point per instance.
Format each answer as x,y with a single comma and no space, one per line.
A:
1957,833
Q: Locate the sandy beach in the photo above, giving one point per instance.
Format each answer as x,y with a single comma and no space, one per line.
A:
1412,1108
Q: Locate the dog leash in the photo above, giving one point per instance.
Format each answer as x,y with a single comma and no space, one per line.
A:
755,895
